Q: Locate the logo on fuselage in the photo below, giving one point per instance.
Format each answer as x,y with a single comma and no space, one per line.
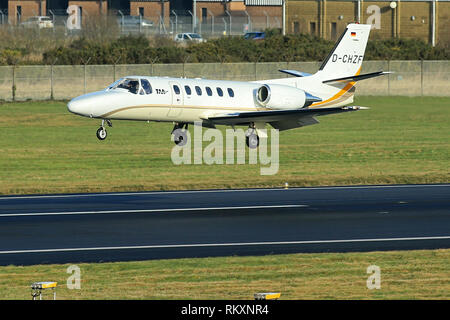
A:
161,91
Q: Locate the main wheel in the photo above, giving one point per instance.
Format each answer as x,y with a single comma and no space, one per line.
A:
180,137
101,133
252,141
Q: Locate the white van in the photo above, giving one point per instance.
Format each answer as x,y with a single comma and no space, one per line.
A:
188,37
40,22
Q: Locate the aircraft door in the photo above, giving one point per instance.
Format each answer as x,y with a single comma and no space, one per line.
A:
177,100
177,94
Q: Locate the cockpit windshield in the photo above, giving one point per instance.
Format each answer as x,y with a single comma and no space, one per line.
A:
131,85
135,86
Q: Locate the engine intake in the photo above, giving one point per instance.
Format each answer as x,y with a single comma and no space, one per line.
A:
277,96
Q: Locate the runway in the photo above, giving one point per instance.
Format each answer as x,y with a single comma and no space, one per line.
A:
74,228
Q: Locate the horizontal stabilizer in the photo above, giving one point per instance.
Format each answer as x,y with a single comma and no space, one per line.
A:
296,73
357,78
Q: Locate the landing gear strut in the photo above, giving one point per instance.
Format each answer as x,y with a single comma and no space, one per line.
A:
179,134
101,132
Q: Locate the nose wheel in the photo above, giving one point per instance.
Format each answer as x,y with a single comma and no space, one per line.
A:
101,132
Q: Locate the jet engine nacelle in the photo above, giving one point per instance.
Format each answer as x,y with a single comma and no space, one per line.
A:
277,96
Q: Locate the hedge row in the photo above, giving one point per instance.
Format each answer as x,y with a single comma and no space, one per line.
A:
139,50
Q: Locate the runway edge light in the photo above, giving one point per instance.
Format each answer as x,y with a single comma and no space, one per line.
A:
267,296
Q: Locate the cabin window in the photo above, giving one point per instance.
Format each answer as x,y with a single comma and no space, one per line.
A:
176,89
219,92
199,90
230,92
188,90
146,87
208,91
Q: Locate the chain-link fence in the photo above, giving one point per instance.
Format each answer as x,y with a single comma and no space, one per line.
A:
409,78
208,24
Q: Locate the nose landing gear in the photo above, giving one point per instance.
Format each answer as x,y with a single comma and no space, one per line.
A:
101,132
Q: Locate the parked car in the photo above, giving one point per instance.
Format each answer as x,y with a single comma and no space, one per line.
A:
134,22
188,37
40,22
254,36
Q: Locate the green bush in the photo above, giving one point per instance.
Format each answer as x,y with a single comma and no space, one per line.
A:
276,47
10,56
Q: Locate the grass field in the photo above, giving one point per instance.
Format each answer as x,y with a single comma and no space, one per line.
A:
403,275
46,149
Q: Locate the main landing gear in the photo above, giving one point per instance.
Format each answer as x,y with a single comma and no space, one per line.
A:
180,136
179,133
101,132
251,137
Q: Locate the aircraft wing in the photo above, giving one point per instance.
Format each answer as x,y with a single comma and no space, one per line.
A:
279,119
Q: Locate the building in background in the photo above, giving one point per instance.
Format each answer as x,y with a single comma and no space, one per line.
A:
248,15
150,8
20,10
91,8
157,11
428,20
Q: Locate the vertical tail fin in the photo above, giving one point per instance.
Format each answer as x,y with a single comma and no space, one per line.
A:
346,58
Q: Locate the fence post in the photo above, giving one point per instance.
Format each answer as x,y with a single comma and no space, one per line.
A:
176,21
14,83
212,21
85,64
51,79
256,62
421,77
389,78
185,60
84,79
153,61
114,67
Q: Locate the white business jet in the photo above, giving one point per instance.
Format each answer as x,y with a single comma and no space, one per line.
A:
285,103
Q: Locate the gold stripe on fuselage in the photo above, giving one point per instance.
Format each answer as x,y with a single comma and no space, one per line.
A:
342,95
106,115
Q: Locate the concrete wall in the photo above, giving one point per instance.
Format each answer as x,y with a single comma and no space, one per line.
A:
411,78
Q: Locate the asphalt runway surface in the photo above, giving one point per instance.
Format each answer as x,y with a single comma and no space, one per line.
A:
76,228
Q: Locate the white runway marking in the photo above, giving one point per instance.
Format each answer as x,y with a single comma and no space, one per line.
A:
196,245
213,191
148,210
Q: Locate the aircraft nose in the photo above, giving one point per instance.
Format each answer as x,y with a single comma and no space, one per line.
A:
79,106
